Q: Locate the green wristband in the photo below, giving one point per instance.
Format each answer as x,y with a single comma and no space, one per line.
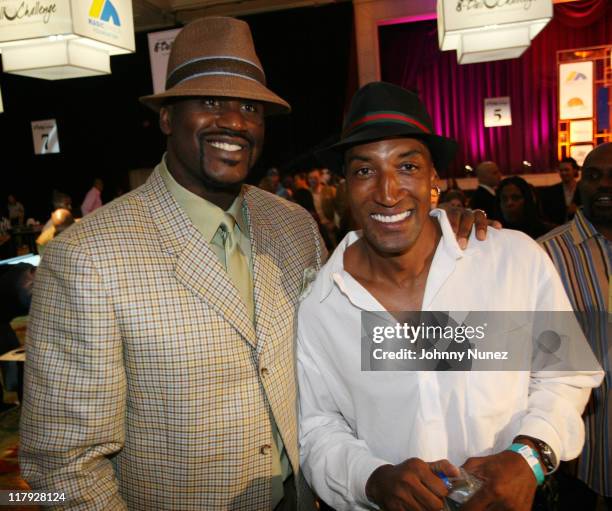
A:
531,457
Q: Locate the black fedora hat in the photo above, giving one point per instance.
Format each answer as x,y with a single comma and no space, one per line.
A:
382,110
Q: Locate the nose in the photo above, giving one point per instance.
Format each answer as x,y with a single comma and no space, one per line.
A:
231,117
388,189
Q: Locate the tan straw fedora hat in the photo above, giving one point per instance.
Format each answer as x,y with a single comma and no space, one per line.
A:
215,56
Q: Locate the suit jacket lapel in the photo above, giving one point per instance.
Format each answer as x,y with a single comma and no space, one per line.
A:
267,264
197,267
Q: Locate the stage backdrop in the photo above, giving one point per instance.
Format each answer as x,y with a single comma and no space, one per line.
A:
455,94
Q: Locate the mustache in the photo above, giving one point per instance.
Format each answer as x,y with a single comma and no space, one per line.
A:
245,135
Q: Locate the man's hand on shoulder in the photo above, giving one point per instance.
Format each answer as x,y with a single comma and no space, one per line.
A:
462,221
508,483
412,484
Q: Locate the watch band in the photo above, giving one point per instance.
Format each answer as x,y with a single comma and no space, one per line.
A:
531,457
547,456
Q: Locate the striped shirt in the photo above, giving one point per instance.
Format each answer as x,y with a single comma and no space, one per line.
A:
583,257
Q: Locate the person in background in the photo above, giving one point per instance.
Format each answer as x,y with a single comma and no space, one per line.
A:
581,250
271,181
16,282
323,196
60,220
484,197
16,212
300,181
518,208
285,190
559,201
93,199
455,198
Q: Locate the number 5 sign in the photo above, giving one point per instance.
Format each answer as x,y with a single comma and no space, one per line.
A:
497,112
44,134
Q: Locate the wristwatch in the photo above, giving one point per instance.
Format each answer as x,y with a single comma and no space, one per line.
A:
547,456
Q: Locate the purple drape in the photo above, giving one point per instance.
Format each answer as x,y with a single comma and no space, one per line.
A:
454,94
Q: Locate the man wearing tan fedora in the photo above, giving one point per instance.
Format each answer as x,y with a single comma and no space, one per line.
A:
160,370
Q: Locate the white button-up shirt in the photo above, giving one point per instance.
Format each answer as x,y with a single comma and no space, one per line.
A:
352,421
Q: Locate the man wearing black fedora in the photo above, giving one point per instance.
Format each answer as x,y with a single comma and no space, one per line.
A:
391,439
160,371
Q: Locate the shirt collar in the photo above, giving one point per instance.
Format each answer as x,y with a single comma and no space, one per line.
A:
204,215
487,188
332,271
582,229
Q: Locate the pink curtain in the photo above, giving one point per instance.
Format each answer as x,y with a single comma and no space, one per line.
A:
454,94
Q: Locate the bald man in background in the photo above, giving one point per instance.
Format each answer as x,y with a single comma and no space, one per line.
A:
484,197
60,220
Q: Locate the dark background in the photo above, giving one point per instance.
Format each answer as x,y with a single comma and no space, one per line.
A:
104,131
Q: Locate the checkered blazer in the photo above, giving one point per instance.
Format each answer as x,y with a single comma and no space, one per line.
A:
146,384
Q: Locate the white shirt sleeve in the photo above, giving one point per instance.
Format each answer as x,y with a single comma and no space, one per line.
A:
557,398
336,463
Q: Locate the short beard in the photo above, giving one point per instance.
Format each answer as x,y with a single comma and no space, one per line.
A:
212,184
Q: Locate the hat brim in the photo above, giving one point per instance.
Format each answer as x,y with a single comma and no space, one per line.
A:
443,150
220,86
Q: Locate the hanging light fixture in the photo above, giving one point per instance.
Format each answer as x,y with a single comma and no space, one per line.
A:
485,30
57,39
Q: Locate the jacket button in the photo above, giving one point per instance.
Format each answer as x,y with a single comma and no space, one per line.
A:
264,371
265,449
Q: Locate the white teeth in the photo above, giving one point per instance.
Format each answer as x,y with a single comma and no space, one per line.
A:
389,219
225,146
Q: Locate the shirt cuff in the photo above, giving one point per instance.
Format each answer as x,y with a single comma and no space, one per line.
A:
538,428
366,466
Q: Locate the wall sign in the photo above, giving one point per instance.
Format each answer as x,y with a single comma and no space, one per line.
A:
45,137
497,112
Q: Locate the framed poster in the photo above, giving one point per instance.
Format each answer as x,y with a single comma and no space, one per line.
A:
576,90
497,112
581,131
579,152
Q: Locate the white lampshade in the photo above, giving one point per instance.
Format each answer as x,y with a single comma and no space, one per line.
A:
73,40
480,33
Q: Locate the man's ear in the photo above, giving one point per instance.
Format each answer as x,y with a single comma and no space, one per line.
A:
165,119
434,177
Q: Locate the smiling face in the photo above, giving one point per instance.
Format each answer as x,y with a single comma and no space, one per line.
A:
512,204
389,189
212,142
567,172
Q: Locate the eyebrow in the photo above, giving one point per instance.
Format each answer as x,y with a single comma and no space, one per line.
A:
412,152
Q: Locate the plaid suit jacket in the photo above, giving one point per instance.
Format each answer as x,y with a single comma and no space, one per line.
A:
146,384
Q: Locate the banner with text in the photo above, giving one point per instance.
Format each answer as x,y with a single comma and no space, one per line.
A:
479,341
160,44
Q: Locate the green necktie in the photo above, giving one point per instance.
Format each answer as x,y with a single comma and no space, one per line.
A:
236,263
